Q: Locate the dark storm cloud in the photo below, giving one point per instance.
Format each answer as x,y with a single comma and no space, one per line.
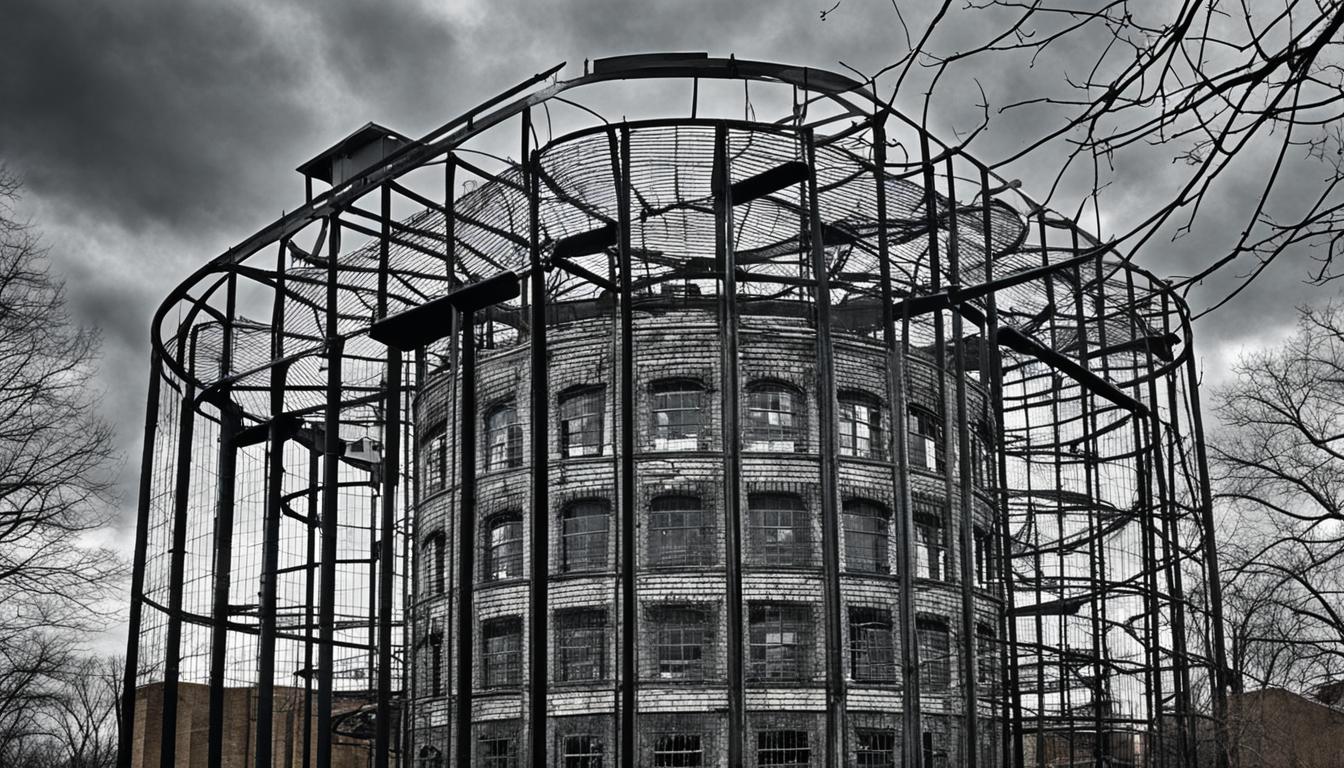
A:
145,112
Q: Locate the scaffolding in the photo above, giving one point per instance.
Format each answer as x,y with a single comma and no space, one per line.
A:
276,542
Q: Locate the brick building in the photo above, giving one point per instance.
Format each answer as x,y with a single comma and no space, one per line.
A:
682,586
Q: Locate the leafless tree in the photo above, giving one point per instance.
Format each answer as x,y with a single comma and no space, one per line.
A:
1204,85
55,479
1279,466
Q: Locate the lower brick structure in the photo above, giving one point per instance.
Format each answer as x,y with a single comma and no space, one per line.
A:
684,634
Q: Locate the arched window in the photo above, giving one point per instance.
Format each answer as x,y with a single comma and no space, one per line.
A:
504,547
929,546
774,418
503,438
935,662
926,440
866,537
581,643
678,414
680,532
435,641
984,549
583,536
581,413
860,425
781,529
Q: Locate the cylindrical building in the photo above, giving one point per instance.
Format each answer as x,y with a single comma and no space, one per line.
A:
691,439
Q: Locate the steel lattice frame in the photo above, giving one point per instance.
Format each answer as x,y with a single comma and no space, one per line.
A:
273,542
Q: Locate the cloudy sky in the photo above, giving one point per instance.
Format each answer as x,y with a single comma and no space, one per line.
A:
153,134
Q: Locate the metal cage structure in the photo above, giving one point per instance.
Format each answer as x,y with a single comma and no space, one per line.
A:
315,494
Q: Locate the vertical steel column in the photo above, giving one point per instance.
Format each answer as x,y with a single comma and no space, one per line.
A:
270,566
1218,680
630,602
830,492
173,644
382,742
721,184
386,559
1012,699
1088,419
1173,536
539,618
230,423
466,552
126,737
309,599
331,475
970,685
898,451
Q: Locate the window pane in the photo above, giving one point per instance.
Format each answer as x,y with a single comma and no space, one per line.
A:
434,451
926,443
781,530
935,666
504,549
678,414
866,537
929,549
773,419
503,439
871,651
679,532
502,653
781,641
583,537
680,635
783,748
860,428
581,423
581,638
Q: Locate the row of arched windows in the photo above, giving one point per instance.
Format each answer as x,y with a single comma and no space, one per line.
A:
774,420
681,532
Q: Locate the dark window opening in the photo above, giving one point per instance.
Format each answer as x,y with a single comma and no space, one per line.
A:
935,662
781,642
774,420
983,547
875,749
871,651
434,455
583,536
678,415
985,658
679,532
678,750
584,751
581,423
866,537
787,749
781,530
502,653
581,641
497,751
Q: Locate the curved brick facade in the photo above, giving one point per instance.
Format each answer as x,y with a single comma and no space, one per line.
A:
681,581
